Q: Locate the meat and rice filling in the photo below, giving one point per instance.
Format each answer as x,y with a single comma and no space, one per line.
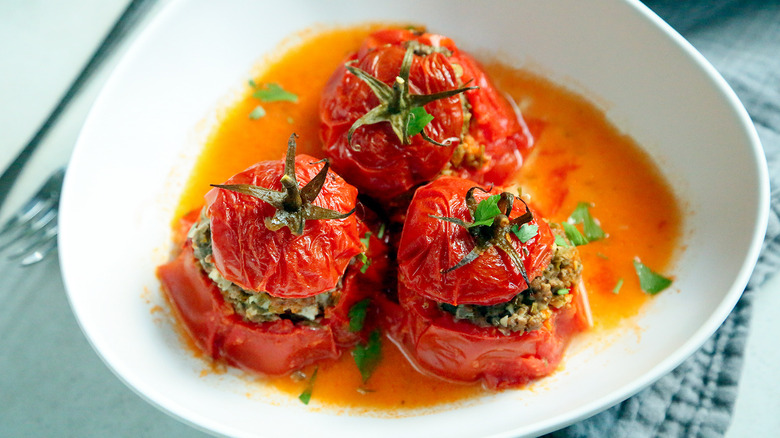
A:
255,306
529,309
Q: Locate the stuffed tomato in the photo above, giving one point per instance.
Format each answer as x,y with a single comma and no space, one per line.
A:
268,273
409,106
487,291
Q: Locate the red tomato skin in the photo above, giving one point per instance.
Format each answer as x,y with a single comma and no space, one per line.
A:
279,262
496,125
462,352
272,348
429,245
384,168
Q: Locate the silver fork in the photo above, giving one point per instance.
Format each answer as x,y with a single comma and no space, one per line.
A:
31,234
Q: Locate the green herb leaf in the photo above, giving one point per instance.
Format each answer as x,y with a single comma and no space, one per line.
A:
526,232
563,291
274,93
561,241
581,215
366,262
381,233
651,282
573,234
486,210
252,83
305,396
619,284
367,356
418,118
363,257
357,315
257,113
366,239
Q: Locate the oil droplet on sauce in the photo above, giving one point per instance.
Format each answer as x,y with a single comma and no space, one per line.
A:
579,157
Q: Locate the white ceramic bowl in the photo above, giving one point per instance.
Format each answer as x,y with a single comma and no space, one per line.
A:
135,149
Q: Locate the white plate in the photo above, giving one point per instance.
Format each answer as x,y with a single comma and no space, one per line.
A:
135,148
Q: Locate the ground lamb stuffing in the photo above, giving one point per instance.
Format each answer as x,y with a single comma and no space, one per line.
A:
529,309
255,306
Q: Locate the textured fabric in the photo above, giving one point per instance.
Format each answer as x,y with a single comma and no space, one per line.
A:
742,40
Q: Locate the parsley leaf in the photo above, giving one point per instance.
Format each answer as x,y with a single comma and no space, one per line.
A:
273,92
561,241
381,233
363,257
581,215
418,118
357,315
257,113
573,234
526,232
619,284
651,282
367,356
486,210
305,396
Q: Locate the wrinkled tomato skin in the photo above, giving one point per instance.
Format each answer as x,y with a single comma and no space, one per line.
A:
279,262
271,348
383,167
494,122
429,246
496,125
460,351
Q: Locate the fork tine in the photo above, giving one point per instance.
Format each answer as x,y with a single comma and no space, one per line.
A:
41,252
46,211
33,240
31,233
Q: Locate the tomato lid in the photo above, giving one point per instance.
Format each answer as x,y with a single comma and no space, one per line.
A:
432,244
281,263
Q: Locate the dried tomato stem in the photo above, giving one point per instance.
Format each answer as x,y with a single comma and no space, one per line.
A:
293,205
496,234
396,102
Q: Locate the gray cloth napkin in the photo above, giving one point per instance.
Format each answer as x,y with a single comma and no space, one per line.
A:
742,40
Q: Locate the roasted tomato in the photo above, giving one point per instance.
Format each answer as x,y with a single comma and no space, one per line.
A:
432,242
262,330
486,292
370,104
263,247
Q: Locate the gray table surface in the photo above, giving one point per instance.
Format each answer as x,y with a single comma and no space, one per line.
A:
51,381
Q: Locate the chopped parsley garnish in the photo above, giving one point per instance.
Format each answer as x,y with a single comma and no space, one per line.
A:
418,118
526,232
367,355
561,241
363,257
273,92
581,215
573,234
617,287
381,233
305,396
357,315
486,210
650,281
257,113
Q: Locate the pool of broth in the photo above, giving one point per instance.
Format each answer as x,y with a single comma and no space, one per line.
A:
578,157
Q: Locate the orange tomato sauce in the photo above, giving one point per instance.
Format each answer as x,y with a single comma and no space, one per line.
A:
579,157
